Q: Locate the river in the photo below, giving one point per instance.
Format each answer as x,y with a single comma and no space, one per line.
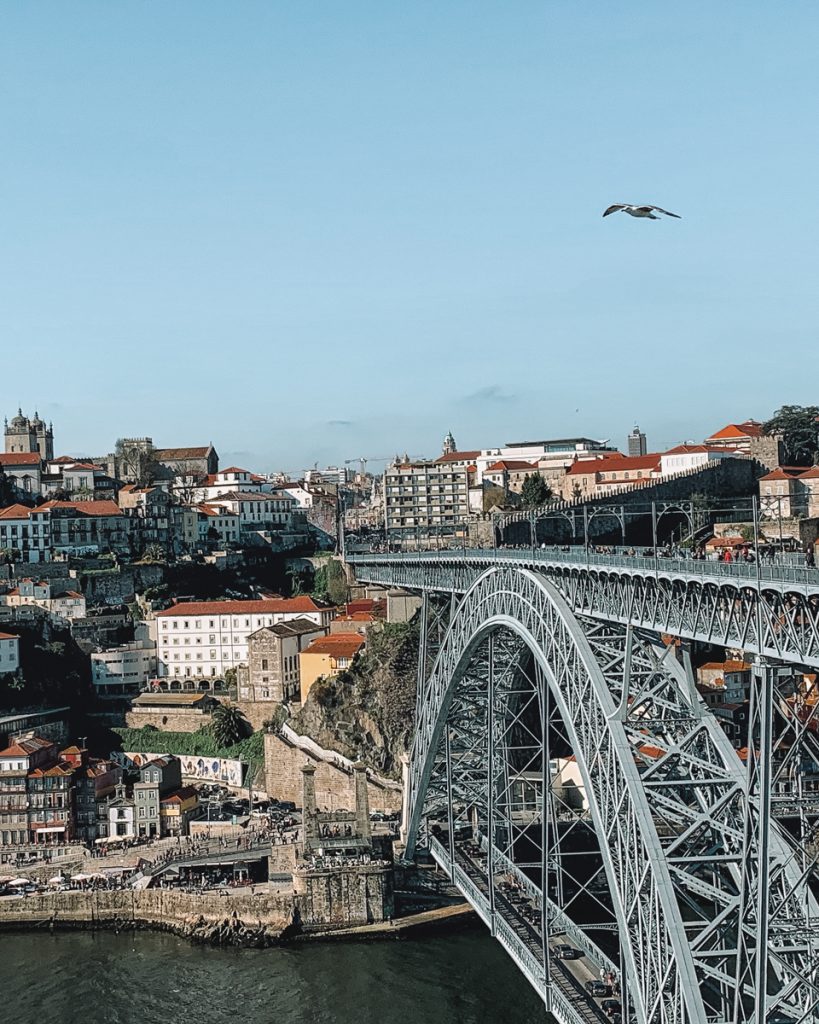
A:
154,978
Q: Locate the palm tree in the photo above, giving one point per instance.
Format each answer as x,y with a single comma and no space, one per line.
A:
228,725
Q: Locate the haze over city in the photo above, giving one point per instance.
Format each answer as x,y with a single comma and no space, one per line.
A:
312,234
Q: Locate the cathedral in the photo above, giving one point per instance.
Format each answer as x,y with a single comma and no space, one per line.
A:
25,435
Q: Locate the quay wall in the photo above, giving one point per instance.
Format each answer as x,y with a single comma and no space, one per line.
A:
238,919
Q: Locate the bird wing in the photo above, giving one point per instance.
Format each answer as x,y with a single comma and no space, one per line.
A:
668,213
615,208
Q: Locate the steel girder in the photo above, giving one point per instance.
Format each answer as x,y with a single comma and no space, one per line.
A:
668,798
773,616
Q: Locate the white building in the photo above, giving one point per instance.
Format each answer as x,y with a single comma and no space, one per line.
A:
9,653
229,480
53,596
225,524
257,510
124,669
205,638
23,469
686,457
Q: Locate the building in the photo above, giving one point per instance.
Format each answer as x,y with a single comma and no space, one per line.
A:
95,781
36,800
257,510
591,477
272,673
24,470
187,466
637,443
430,497
509,474
686,457
217,525
62,528
157,778
123,670
77,480
204,639
737,436
9,653
176,810
121,815
325,657
171,712
54,596
29,436
789,492
150,515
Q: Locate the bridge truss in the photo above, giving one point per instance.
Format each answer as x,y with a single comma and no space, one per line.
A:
567,775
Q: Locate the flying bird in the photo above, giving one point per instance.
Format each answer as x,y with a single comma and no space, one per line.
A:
640,211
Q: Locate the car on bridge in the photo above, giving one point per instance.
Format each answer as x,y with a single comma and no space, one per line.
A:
610,1007
563,951
597,988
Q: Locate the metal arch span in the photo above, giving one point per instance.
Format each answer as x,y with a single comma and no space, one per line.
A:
681,899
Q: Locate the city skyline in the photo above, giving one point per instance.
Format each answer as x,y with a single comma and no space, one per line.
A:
319,236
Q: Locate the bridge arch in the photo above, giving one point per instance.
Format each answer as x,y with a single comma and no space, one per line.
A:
579,663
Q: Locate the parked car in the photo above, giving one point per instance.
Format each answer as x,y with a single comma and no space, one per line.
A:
596,988
610,1007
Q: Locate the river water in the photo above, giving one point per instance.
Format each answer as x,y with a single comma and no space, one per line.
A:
152,978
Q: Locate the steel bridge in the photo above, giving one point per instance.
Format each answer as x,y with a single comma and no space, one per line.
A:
567,775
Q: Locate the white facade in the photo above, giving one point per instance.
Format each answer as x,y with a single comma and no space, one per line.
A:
686,457
204,639
255,510
53,597
9,653
125,668
224,522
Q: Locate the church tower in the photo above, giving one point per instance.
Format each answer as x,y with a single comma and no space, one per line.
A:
28,436
449,444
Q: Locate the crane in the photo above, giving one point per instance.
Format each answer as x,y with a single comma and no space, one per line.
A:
362,461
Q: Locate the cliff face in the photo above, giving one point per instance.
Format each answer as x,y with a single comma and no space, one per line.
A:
368,712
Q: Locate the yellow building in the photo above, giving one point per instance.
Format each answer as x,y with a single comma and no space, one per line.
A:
175,811
327,656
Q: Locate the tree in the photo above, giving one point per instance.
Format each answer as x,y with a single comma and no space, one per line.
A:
337,590
228,725
577,491
535,491
800,432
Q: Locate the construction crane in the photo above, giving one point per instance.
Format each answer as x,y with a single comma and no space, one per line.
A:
362,461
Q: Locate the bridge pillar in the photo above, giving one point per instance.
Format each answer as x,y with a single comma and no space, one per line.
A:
405,798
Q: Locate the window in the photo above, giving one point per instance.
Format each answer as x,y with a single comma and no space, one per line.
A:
264,664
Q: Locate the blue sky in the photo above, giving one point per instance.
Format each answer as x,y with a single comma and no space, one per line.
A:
313,231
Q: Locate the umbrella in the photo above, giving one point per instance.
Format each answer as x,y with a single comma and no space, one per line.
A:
80,878
56,880
5,879
20,881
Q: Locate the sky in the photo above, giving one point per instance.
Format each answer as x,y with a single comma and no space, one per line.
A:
309,232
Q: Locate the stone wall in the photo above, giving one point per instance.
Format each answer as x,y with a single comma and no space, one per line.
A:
168,719
119,587
335,788
344,897
208,917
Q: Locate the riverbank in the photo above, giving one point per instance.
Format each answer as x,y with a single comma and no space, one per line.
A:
255,921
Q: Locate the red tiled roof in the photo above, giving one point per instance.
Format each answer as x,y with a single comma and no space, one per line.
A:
459,457
615,463
87,508
22,748
337,644
20,459
750,428
782,473
284,605
510,464
181,453
15,512
810,474
8,636
687,449
233,469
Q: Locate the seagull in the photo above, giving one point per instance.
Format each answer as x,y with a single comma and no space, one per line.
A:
640,211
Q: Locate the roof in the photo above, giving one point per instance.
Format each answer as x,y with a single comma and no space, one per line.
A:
23,748
337,644
615,463
725,542
783,473
510,464
810,474
20,459
295,627
61,768
246,496
233,469
690,449
750,428
170,700
727,666
182,453
459,456
15,512
180,795
279,606
8,636
86,508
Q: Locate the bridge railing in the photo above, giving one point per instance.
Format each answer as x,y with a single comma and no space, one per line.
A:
639,563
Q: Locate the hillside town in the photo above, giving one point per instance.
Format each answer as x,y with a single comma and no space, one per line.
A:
178,640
